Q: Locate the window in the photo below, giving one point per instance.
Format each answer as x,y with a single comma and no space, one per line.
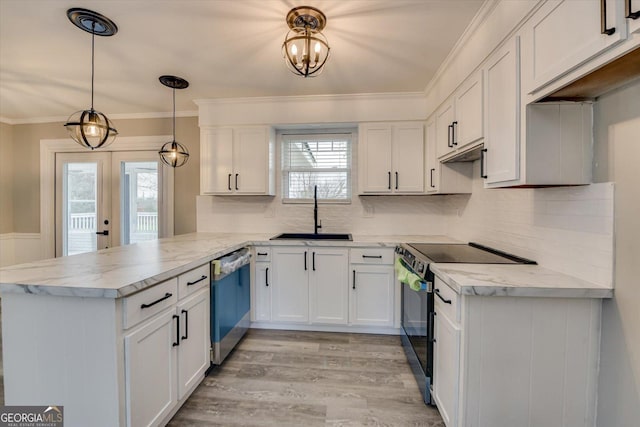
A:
316,159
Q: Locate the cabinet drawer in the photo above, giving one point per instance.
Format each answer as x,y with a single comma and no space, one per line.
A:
193,280
372,256
451,308
145,304
263,253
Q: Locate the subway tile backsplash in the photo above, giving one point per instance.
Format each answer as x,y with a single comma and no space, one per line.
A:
567,229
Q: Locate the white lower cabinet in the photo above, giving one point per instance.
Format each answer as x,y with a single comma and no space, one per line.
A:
371,295
515,361
290,291
309,284
151,371
328,297
165,357
332,286
446,359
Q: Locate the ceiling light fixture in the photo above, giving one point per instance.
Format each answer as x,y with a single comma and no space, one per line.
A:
91,128
305,48
173,153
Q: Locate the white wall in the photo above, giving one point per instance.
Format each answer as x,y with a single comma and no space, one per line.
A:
617,144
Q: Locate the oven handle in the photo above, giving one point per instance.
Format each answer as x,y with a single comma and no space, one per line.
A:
431,326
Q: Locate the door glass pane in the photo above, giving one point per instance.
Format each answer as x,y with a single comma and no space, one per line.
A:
79,208
139,201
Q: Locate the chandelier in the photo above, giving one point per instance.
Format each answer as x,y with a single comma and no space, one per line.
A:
91,128
305,48
173,153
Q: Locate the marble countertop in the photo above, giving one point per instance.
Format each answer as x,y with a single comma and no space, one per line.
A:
121,271
516,280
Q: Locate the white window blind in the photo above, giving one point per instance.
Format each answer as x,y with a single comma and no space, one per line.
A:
316,159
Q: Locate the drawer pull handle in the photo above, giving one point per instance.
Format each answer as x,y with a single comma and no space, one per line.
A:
196,281
151,304
186,324
372,256
262,254
446,301
177,343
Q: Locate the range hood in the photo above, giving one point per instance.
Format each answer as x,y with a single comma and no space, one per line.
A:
611,76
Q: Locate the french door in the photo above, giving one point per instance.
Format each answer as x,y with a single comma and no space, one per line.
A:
106,199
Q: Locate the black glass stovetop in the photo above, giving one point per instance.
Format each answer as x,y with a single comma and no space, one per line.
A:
471,253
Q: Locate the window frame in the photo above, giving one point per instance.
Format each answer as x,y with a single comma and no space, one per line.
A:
286,136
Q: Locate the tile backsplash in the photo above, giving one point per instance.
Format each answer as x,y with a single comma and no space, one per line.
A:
567,229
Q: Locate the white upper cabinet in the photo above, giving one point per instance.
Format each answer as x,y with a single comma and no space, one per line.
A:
459,121
391,158
237,160
566,33
500,159
444,178
632,14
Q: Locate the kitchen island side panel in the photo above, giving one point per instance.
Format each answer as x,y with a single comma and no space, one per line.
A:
53,345
529,361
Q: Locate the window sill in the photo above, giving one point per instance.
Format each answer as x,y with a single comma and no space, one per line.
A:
320,202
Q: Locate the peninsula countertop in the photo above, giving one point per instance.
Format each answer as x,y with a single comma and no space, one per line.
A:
121,271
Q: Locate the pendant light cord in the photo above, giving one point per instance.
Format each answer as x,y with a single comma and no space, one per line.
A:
93,38
174,114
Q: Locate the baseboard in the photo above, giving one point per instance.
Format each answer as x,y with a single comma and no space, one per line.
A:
328,328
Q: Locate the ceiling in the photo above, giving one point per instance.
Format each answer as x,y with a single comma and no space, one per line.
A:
224,48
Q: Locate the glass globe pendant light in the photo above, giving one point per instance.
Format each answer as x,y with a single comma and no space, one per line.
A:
173,153
305,48
91,128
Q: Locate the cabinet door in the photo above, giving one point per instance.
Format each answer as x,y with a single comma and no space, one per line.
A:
371,295
432,170
328,284
468,125
290,289
262,298
251,160
193,351
408,158
566,33
502,109
446,368
375,158
216,161
632,8
151,370
444,128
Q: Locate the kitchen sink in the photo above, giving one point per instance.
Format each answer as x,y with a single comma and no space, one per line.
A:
312,236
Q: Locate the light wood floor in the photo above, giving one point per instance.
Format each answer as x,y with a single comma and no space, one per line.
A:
292,378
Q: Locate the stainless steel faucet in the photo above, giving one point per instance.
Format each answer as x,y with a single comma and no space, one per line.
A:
316,224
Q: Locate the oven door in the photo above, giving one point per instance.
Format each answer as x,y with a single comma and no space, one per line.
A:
417,328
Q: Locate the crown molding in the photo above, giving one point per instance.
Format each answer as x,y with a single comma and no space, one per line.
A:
123,116
311,98
480,17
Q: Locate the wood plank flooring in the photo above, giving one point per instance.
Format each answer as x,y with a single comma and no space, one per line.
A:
294,378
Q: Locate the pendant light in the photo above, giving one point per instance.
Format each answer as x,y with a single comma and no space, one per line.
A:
305,48
91,128
173,153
